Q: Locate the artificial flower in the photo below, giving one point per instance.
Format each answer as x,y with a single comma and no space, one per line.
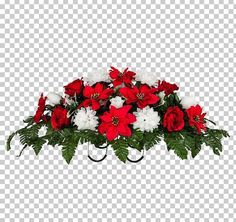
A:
148,78
117,101
174,119
143,96
86,118
166,87
121,77
196,118
94,95
59,118
99,75
74,88
41,107
147,119
188,101
54,98
116,122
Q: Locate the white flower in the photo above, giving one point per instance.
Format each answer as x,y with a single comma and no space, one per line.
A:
86,118
53,98
188,101
117,102
147,119
144,77
100,75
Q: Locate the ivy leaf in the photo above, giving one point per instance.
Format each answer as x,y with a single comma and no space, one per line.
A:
120,147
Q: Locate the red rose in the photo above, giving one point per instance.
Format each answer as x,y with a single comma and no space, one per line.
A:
74,87
196,118
41,107
167,87
174,119
59,118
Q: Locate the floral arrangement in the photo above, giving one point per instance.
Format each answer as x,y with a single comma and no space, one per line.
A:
123,109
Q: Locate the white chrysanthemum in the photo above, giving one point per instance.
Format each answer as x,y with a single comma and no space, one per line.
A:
144,77
100,75
188,101
86,118
117,102
147,119
53,98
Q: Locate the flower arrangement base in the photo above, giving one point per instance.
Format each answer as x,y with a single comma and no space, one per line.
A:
123,110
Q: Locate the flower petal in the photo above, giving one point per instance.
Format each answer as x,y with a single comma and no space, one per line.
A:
95,104
88,91
124,130
111,133
98,88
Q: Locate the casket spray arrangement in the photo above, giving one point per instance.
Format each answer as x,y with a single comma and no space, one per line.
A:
123,110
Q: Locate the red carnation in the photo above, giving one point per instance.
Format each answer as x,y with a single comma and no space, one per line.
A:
94,95
167,87
143,96
196,118
116,122
121,77
59,118
174,119
74,88
41,107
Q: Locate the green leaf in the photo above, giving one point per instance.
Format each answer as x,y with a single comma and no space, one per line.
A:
135,141
8,144
120,147
150,139
38,144
213,137
197,145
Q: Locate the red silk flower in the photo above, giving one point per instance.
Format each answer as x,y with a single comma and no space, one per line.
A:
116,122
59,118
166,87
94,95
121,77
74,88
196,118
41,107
143,96
174,119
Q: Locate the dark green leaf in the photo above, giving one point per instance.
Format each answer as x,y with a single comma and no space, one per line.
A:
120,147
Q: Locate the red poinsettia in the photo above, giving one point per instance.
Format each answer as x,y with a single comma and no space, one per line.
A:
41,107
196,118
121,77
166,87
94,95
116,122
74,88
174,119
143,96
59,118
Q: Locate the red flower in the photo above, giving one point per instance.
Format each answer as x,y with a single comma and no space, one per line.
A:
41,107
143,95
174,119
59,118
167,87
74,87
94,95
121,77
116,122
196,118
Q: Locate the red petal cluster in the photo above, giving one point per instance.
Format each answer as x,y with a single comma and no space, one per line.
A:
41,107
143,96
93,95
196,118
59,118
74,88
121,77
116,122
174,119
166,87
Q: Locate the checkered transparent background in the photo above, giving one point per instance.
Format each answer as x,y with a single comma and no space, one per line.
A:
44,46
